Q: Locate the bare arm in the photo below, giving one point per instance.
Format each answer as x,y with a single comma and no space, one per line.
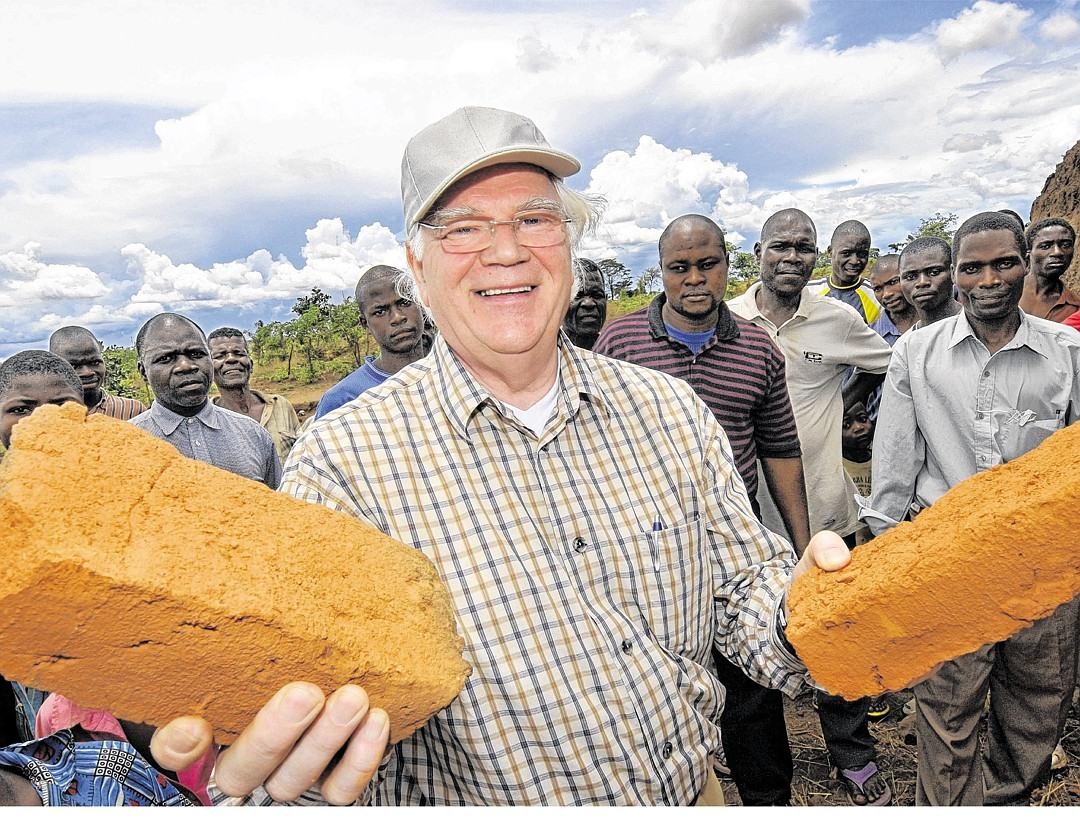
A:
860,388
784,476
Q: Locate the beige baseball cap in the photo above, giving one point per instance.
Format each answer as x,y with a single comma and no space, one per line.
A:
467,140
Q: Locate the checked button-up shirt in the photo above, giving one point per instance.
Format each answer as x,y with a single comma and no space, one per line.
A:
589,632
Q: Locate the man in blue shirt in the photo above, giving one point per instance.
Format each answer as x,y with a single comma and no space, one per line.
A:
174,359
396,324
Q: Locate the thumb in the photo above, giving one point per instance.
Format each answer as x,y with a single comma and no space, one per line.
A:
181,742
826,551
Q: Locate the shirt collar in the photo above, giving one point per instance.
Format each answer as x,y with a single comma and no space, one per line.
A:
803,311
1022,338
101,402
727,329
461,396
168,421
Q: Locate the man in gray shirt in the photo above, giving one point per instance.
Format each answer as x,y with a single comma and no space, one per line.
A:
962,395
174,359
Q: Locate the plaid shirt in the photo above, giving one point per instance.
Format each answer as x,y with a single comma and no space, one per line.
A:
589,632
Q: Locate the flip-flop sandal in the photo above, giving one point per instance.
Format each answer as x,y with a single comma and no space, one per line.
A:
855,782
879,709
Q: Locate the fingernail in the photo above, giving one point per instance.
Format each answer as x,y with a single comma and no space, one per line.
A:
182,741
346,705
299,703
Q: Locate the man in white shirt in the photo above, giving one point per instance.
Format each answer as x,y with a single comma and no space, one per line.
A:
821,339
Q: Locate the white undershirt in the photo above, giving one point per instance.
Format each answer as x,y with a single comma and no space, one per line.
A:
536,417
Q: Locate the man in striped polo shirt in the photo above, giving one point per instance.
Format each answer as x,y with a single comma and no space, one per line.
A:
81,350
688,332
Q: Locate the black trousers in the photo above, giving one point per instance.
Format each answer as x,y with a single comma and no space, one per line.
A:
846,731
755,739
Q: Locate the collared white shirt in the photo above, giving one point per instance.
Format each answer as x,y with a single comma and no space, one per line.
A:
952,409
820,343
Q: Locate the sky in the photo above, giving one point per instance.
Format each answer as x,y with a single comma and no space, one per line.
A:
222,159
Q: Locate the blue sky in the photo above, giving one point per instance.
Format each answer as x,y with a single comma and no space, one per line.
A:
221,159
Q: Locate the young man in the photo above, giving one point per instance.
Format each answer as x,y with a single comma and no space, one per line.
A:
397,325
81,349
1051,244
821,339
885,282
963,395
926,280
547,484
174,359
849,253
689,333
232,373
588,308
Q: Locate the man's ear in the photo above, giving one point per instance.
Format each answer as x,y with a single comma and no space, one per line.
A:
363,319
757,251
142,372
416,268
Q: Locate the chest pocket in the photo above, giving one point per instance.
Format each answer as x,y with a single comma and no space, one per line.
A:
663,581
1018,432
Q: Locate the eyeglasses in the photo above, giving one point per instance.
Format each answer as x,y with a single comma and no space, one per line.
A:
532,229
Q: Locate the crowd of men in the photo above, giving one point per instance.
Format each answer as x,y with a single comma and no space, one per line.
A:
617,510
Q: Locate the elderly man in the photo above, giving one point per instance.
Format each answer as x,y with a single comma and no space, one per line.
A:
232,373
927,281
688,332
588,308
82,351
821,339
1051,244
174,359
397,325
585,514
965,394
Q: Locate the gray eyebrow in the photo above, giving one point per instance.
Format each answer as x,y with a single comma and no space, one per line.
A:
447,214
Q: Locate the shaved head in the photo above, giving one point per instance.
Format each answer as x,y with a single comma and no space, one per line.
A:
786,219
850,228
374,276
161,320
688,223
70,337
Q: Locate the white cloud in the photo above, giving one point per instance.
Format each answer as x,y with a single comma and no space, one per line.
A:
647,188
26,280
986,25
707,30
534,55
1060,27
967,141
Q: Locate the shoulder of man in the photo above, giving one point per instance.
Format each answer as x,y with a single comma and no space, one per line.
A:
822,305
632,323
630,384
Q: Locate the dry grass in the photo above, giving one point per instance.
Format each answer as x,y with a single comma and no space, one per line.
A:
813,786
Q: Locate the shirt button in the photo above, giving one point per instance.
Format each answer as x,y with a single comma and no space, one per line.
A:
979,416
667,751
627,645
579,544
986,374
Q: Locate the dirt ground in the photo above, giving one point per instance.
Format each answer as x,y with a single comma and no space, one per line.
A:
896,758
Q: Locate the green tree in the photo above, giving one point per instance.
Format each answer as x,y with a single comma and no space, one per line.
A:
122,375
940,225
742,273
617,277
650,281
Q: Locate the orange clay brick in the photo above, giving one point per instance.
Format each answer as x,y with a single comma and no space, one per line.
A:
992,556
153,586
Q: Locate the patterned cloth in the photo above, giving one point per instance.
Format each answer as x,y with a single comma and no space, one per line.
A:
589,632
67,772
119,408
222,438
